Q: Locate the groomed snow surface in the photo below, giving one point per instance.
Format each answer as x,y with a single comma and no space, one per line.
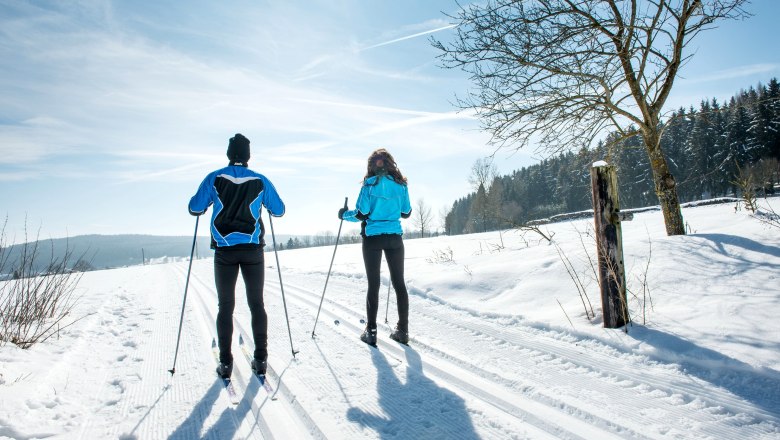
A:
501,346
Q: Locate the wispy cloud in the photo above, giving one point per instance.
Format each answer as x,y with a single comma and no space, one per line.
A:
409,122
408,37
39,138
736,72
167,173
15,176
122,106
361,106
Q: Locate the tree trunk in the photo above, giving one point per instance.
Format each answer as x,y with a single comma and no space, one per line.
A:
665,186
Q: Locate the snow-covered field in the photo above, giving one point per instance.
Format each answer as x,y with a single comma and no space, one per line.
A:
501,346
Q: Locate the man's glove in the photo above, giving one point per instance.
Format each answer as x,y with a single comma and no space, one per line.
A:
341,213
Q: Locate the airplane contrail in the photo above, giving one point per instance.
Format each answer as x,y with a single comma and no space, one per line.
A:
449,26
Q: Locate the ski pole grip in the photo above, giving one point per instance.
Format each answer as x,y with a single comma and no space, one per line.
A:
345,202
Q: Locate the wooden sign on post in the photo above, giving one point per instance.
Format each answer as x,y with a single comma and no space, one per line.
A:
609,244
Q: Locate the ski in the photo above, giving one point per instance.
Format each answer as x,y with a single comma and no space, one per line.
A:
260,377
227,383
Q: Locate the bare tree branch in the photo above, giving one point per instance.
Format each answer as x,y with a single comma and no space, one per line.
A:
558,74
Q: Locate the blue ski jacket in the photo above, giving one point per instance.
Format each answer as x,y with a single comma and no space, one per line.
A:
238,195
380,206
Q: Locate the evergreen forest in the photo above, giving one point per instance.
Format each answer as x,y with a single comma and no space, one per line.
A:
710,150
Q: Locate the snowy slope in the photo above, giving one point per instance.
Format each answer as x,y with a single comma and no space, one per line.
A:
501,346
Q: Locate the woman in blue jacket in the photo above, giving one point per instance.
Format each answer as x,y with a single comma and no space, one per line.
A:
238,195
383,201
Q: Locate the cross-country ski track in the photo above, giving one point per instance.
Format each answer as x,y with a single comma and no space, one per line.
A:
533,382
493,353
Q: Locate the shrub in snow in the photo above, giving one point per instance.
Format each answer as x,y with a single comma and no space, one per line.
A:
34,303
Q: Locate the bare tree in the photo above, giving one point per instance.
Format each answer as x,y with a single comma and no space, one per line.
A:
306,241
422,217
559,73
483,171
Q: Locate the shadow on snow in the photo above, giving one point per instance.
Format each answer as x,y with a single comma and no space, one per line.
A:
416,408
755,385
229,421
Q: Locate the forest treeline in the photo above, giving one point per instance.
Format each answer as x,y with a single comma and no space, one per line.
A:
710,150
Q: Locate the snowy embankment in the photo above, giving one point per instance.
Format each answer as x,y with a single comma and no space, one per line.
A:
501,345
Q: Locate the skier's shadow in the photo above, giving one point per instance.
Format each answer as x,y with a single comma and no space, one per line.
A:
417,408
757,385
229,420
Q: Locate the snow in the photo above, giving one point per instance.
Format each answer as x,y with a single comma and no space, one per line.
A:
501,345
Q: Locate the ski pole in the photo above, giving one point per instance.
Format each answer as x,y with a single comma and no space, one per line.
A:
186,285
329,268
281,286
387,306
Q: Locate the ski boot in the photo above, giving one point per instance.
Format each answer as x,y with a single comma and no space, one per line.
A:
224,370
369,336
259,366
400,336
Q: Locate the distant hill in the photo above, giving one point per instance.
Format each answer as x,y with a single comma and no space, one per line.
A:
110,251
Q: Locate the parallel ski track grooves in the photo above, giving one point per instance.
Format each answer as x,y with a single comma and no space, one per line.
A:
243,383
600,374
203,314
601,364
601,367
349,331
478,392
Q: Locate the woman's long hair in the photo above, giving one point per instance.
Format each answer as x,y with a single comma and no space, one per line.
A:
389,166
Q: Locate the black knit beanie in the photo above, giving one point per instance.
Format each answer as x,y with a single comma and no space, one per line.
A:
238,149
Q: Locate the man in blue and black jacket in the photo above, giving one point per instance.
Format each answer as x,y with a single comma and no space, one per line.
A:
238,195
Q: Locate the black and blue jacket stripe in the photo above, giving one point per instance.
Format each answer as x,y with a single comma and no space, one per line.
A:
238,195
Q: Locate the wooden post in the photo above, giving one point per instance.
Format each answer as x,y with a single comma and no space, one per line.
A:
609,244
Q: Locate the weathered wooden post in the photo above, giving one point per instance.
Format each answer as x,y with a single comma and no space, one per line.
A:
609,244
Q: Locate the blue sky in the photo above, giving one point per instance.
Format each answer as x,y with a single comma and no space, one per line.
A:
111,112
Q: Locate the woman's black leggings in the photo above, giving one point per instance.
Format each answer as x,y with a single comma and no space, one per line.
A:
226,265
393,247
